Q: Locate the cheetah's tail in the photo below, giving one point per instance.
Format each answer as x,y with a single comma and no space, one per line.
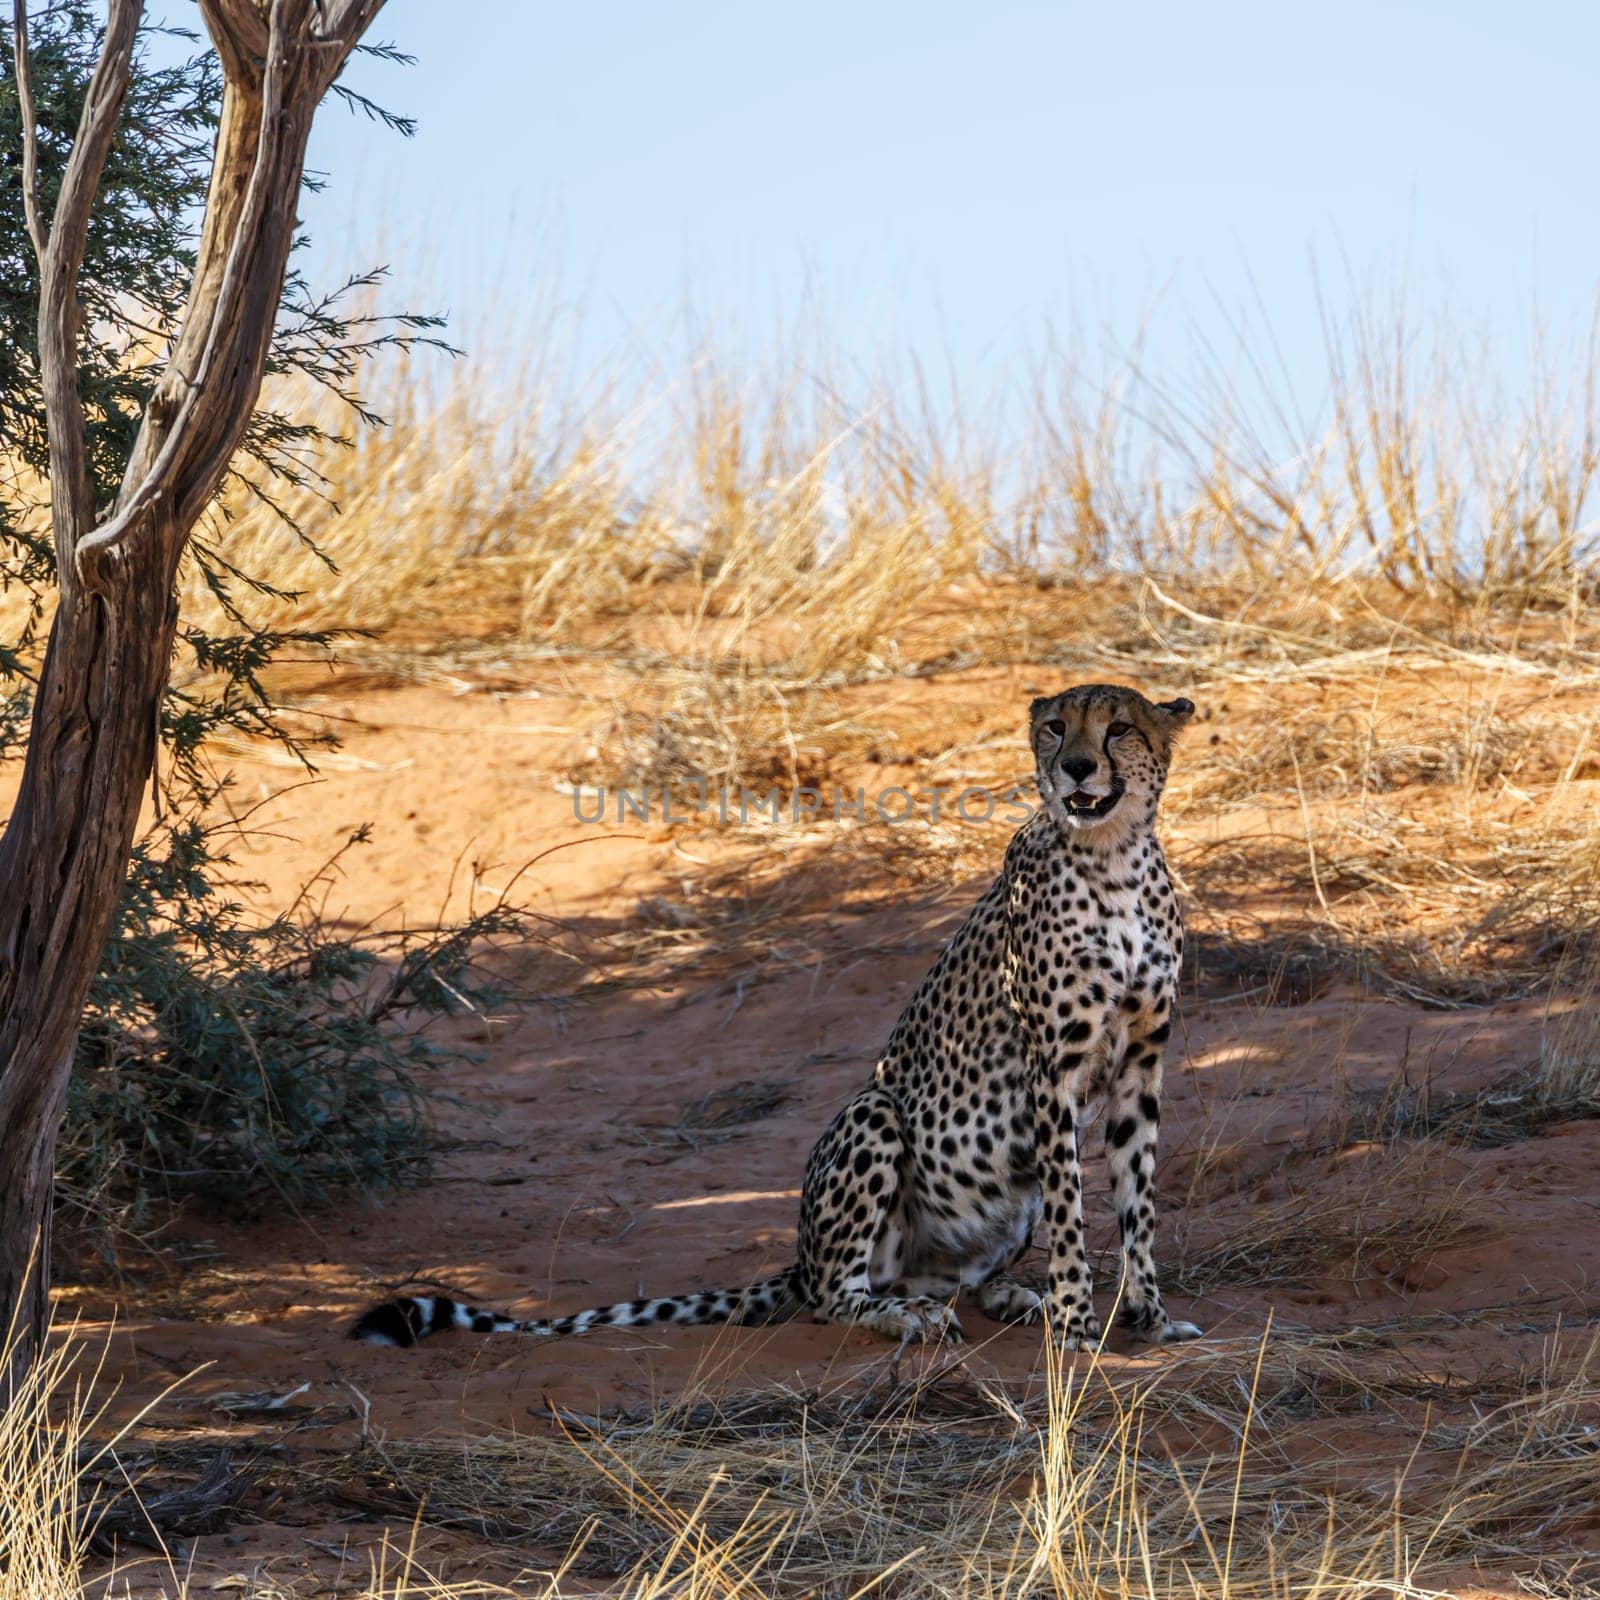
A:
404,1321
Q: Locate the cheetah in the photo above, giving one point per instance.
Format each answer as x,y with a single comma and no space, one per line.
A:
1054,998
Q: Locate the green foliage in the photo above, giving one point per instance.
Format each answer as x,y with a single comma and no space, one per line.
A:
220,1055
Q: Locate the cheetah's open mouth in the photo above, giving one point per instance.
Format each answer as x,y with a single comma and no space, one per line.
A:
1091,807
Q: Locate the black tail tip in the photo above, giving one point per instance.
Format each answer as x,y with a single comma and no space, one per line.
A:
392,1323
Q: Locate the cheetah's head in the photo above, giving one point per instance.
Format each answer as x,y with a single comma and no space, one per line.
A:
1101,753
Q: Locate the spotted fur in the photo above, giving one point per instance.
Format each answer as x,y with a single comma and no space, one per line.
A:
1054,996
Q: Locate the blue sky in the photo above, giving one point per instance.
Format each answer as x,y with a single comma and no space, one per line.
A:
954,180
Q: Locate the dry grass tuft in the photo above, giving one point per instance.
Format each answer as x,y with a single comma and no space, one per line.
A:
1380,1220
1092,1480
1566,1082
58,1454
43,1548
1578,1580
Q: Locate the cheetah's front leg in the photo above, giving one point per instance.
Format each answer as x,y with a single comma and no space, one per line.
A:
1133,1121
1069,1290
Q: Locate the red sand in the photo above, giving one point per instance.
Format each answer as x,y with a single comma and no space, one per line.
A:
559,1184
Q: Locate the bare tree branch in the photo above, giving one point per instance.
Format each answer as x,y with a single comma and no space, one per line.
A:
30,131
236,29
136,499
70,505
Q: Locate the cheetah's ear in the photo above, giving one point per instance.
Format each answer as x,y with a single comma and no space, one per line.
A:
1179,710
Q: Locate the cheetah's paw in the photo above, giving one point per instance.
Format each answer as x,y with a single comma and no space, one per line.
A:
1009,1302
1151,1323
918,1317
1077,1333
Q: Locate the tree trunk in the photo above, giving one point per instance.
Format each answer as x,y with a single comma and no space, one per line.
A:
65,850
62,861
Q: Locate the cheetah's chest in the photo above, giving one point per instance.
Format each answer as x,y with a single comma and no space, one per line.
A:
1111,940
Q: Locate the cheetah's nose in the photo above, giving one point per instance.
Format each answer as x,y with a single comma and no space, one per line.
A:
1078,767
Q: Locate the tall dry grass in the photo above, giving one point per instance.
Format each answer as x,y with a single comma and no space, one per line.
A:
58,1445
786,517
1567,1079
775,516
1384,598
1095,1480
43,1553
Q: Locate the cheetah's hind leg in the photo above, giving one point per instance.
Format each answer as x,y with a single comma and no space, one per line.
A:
853,1237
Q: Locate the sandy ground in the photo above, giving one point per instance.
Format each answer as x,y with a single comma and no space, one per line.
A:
567,1175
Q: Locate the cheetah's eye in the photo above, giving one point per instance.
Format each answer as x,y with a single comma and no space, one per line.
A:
1117,729
1056,726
